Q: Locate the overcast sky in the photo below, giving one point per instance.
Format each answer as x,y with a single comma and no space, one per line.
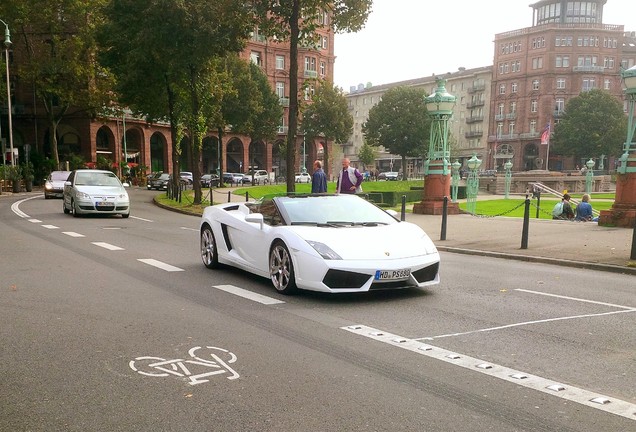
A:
405,39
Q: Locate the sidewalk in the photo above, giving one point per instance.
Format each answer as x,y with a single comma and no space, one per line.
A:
578,244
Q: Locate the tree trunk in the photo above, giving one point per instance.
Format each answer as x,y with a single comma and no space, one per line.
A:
293,96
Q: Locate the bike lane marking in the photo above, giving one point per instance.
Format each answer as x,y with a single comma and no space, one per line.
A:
574,394
248,294
160,265
73,234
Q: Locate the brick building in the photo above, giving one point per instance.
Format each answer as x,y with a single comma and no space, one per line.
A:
134,140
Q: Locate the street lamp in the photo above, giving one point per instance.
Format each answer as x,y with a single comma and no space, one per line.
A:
455,180
437,180
508,167
472,184
623,211
589,176
7,44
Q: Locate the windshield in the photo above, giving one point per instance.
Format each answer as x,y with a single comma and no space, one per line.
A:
96,179
60,175
332,210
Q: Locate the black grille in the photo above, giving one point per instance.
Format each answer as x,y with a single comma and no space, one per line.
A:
392,285
340,279
426,274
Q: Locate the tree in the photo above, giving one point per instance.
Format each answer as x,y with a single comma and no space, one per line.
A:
165,51
295,21
593,124
399,123
59,58
367,155
328,115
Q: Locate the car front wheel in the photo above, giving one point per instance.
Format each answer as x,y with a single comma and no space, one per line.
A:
66,211
281,269
209,253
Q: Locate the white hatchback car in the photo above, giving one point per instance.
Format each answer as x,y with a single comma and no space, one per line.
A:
303,178
88,191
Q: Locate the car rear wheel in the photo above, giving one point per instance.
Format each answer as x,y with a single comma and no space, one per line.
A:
209,253
281,269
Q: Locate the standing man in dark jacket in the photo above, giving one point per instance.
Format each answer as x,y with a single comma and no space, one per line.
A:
318,179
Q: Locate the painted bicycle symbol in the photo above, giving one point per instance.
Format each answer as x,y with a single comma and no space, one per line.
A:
217,364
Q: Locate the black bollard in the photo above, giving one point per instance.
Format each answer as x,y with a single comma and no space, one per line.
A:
526,224
247,196
538,204
442,235
229,196
403,215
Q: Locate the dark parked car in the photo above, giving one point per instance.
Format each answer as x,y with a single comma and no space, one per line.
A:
160,182
209,180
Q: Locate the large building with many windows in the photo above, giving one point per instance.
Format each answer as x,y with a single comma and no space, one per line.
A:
536,70
503,110
468,126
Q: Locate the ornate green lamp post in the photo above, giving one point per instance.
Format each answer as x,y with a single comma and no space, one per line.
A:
508,167
589,176
437,180
472,184
455,180
7,44
623,211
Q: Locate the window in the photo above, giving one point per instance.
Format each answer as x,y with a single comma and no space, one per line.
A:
537,63
534,105
559,105
588,84
506,68
501,68
280,89
323,69
255,57
608,62
324,18
511,128
514,87
535,84
500,109
513,107
607,84
562,61
560,83
502,89
310,63
533,126
325,42
499,129
280,62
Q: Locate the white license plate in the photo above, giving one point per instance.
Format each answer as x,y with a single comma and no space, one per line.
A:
104,204
385,275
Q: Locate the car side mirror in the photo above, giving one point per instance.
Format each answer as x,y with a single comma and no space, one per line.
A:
125,184
67,183
255,218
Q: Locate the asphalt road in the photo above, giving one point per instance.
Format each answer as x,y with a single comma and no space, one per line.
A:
110,324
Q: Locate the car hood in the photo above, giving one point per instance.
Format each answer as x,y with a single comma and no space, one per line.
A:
400,240
101,190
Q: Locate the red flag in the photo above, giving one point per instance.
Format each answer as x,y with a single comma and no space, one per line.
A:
545,136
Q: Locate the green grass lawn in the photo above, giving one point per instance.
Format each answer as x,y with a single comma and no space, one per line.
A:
512,207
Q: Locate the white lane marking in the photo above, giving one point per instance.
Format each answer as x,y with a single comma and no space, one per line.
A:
73,234
544,385
35,220
107,246
525,323
248,294
50,227
141,219
575,299
159,264
15,208
189,229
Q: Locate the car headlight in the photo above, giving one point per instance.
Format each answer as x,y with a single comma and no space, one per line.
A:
325,251
83,195
48,186
123,195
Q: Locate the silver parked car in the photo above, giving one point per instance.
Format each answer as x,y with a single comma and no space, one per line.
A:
54,184
89,191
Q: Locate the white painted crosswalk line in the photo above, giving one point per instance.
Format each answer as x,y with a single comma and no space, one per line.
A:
248,294
50,227
161,265
107,246
35,221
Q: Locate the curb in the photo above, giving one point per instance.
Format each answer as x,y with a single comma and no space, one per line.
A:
552,261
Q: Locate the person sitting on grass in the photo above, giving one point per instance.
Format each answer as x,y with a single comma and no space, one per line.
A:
563,210
584,209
